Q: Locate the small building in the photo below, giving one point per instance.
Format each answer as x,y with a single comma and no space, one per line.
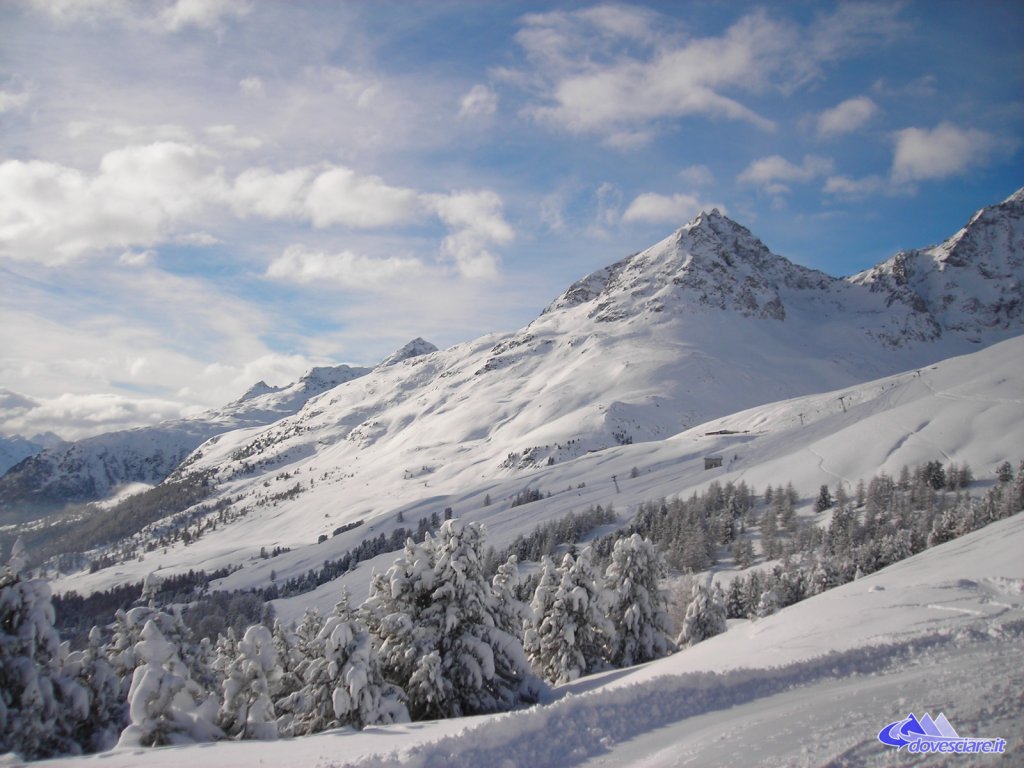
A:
712,462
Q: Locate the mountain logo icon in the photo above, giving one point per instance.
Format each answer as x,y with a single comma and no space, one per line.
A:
927,735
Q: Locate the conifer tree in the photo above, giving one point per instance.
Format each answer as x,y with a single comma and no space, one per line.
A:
509,610
572,637
107,715
165,706
639,608
250,682
40,707
434,620
341,678
705,615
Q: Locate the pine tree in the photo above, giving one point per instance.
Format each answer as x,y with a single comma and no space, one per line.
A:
108,712
572,637
287,657
433,615
509,610
767,604
165,706
250,682
824,499
639,609
342,680
40,707
734,603
705,615
540,606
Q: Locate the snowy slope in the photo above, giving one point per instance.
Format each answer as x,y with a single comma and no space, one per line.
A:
91,469
15,448
968,409
942,632
702,325
971,284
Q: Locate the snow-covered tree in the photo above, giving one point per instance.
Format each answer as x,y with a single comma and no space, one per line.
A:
128,626
433,615
540,606
768,604
107,713
250,683
342,681
509,611
41,707
288,658
572,639
705,615
165,706
639,607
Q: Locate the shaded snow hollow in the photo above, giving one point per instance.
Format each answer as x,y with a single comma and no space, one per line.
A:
812,685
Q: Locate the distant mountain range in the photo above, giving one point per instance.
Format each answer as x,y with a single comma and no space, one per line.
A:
91,469
16,447
704,324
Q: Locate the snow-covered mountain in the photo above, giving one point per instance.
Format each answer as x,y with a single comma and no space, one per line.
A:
705,324
90,469
15,448
969,285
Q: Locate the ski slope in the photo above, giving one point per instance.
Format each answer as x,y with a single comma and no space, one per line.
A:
942,632
965,409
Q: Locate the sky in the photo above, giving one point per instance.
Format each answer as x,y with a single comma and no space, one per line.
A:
199,194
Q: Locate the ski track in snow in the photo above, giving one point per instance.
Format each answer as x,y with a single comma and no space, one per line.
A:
826,470
586,730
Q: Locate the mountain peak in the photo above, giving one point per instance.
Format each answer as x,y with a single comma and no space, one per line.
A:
711,262
415,348
324,377
970,284
256,390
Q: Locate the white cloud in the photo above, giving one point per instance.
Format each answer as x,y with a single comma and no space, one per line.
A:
618,96
13,101
68,11
608,208
325,196
477,220
227,135
76,416
172,17
52,213
137,258
252,86
345,269
204,14
262,192
140,195
140,333
480,101
773,171
697,175
669,209
617,71
846,116
844,186
853,27
341,196
552,208
943,151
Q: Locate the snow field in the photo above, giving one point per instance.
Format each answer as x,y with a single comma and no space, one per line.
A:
809,686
